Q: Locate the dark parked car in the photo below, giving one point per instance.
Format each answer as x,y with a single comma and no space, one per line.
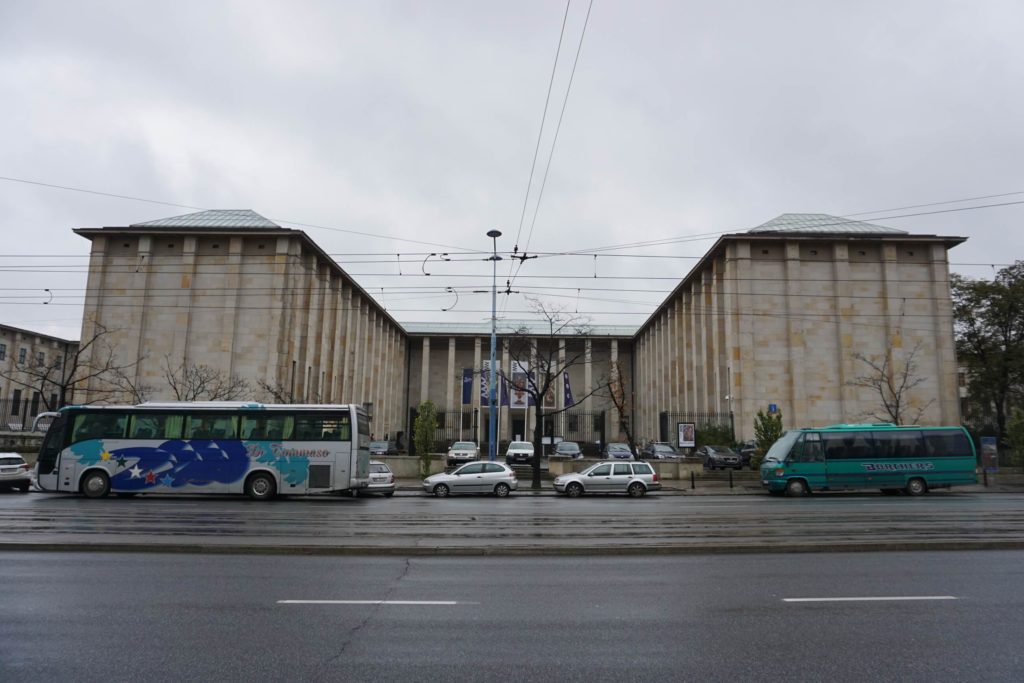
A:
719,457
622,451
747,451
383,448
659,451
567,449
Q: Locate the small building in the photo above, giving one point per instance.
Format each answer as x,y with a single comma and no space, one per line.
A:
33,367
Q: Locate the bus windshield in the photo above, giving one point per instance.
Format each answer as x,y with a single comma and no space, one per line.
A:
780,449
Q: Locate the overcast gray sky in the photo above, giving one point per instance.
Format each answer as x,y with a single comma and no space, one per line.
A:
419,120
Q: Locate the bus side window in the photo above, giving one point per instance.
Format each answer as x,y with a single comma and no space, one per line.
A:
835,448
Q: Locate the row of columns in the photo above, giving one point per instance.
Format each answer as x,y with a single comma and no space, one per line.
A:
453,385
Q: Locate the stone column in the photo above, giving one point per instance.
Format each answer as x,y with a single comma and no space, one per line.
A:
425,371
795,335
450,377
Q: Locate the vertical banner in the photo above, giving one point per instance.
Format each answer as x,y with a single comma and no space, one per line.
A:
519,396
467,386
568,390
485,394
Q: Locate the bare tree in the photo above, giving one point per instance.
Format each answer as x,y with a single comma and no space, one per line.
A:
893,382
614,389
541,354
130,386
92,364
192,382
277,392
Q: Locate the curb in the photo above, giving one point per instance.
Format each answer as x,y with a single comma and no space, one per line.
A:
492,551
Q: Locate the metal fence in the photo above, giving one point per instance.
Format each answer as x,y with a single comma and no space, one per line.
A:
586,428
18,415
702,420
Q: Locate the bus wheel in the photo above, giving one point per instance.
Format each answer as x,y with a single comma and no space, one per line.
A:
796,488
916,487
260,486
96,484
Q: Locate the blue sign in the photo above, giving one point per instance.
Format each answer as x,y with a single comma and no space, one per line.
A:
773,408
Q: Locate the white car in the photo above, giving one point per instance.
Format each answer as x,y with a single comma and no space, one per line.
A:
15,473
474,477
462,451
632,478
519,452
382,479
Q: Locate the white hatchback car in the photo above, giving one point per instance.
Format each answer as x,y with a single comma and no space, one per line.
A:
519,452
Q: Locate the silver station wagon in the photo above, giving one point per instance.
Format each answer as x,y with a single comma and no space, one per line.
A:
634,478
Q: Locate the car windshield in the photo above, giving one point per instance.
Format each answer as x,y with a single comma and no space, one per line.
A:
724,450
379,444
664,448
780,448
11,461
379,468
521,446
568,446
617,447
463,446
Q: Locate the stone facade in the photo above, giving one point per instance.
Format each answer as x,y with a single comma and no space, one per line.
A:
773,316
259,302
777,318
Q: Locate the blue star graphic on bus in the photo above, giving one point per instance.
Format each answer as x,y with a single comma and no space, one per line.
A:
88,452
182,463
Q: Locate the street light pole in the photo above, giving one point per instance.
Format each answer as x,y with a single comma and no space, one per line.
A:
492,427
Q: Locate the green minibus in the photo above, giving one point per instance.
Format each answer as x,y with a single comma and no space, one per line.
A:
858,456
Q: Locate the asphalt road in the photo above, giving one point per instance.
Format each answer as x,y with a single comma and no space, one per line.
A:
418,524
127,617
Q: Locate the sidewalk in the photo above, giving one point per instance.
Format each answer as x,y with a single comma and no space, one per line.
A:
1000,483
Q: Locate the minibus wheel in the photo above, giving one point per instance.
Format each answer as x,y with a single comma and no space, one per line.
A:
796,488
916,487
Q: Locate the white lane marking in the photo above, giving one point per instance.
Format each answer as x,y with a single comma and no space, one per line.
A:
375,602
874,599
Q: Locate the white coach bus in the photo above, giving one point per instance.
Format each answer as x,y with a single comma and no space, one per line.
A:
212,447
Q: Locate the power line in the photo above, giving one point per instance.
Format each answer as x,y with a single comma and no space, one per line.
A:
543,119
554,143
201,208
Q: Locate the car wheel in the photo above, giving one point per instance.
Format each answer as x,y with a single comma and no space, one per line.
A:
796,488
916,487
96,484
574,490
636,490
260,486
24,487
441,490
502,490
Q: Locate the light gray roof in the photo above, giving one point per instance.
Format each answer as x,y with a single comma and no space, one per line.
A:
822,223
535,328
223,218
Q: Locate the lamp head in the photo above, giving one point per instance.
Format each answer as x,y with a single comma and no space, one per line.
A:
494,233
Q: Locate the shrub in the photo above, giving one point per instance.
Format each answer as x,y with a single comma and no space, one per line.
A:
423,430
